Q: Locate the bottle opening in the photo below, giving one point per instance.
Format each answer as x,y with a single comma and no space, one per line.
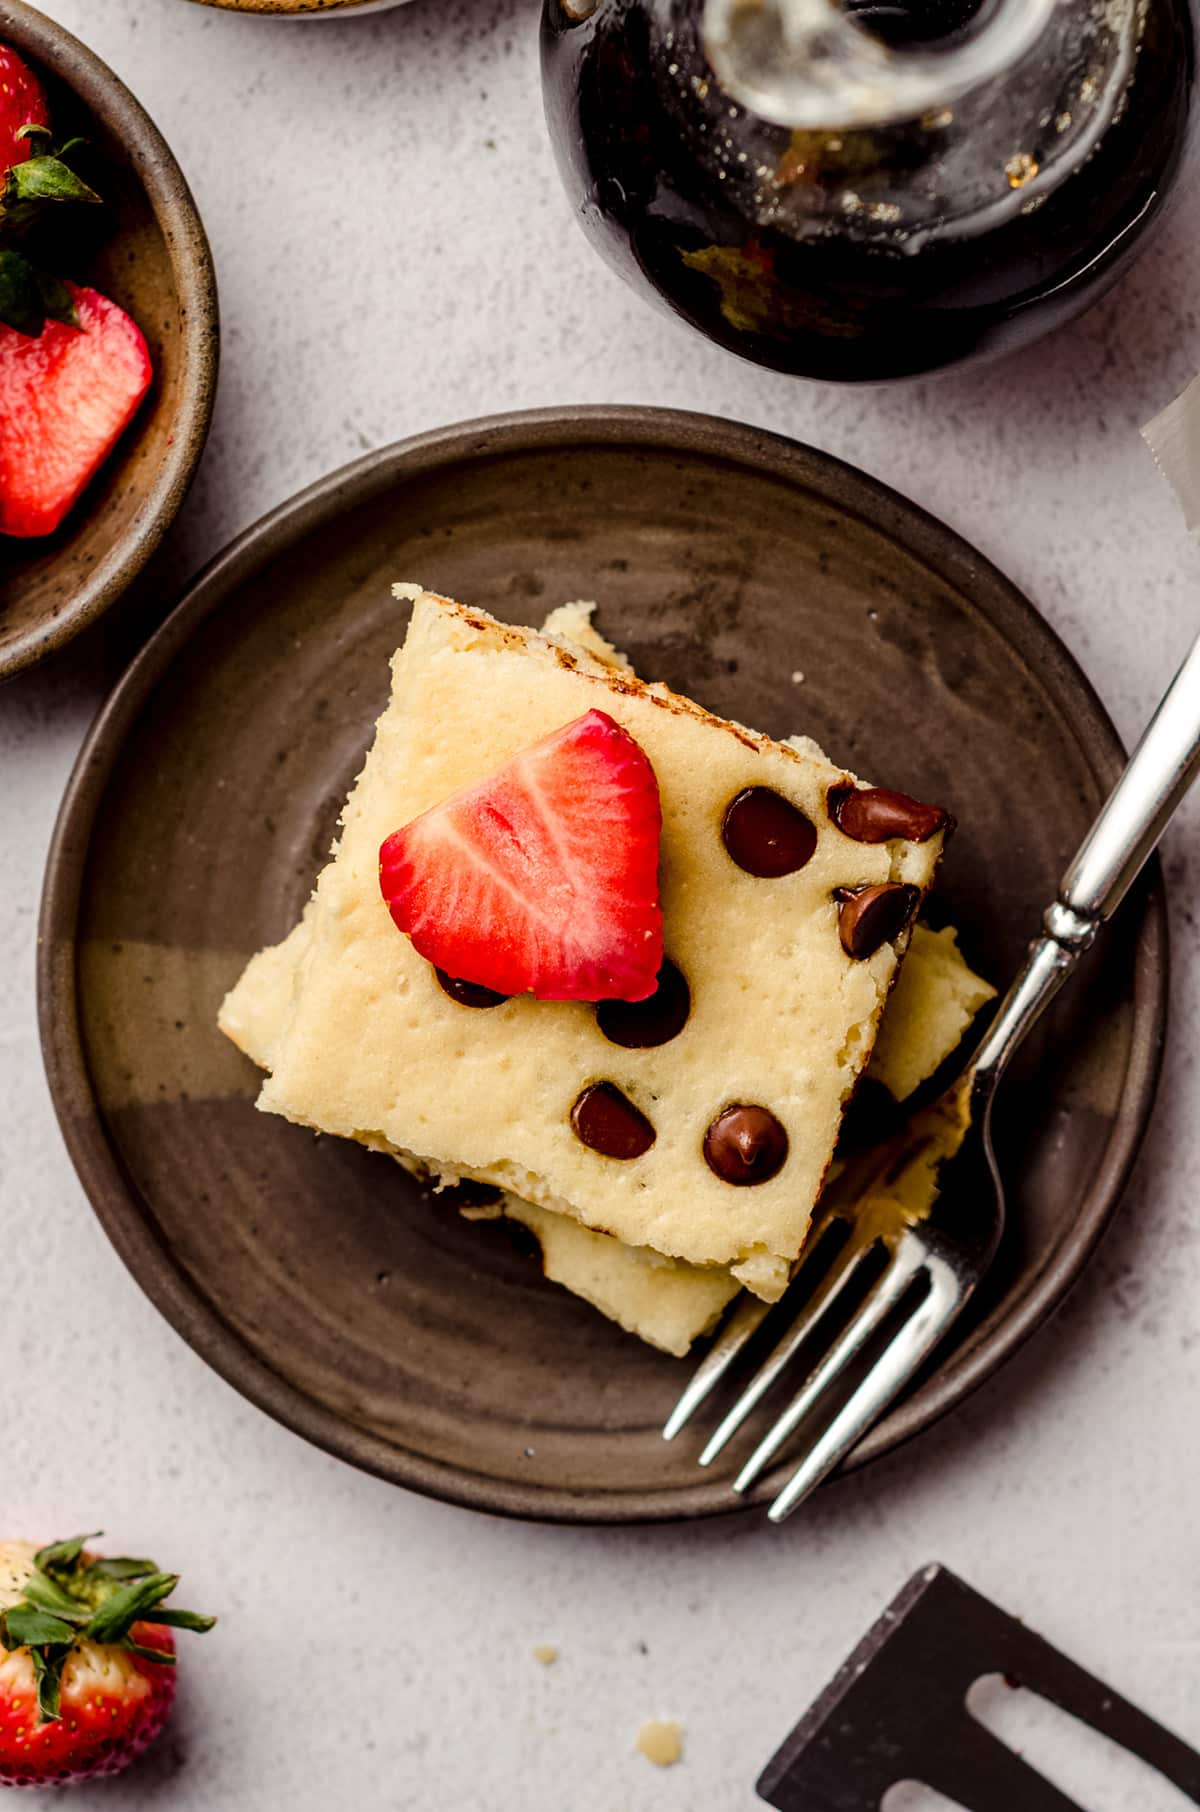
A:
919,24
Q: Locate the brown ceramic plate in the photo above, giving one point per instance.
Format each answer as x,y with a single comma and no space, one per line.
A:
153,259
318,1278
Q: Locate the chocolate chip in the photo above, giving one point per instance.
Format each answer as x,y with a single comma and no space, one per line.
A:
469,994
766,834
745,1144
870,814
607,1121
639,1024
869,917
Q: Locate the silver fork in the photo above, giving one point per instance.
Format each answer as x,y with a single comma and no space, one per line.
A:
930,1266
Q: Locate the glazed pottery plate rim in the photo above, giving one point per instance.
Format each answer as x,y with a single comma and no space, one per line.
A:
116,1199
106,97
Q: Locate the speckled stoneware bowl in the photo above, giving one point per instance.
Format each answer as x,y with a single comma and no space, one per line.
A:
320,1278
305,9
154,260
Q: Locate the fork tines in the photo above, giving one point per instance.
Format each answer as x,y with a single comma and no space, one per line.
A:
862,1289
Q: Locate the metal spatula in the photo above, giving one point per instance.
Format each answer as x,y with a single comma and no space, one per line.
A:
897,1712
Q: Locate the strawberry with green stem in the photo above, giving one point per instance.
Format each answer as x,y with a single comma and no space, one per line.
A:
87,1661
36,186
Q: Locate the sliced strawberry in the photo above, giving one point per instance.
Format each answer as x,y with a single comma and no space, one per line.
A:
66,397
543,879
22,103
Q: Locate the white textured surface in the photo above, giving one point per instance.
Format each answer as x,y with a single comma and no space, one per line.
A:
395,253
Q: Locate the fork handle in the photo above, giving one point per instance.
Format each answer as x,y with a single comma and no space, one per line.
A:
1131,823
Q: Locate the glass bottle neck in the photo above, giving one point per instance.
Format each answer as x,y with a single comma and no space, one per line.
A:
811,64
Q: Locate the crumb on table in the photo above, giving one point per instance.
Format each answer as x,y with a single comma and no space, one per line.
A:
546,1653
660,1740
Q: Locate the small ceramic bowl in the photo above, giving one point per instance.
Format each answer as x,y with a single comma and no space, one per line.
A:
153,259
305,9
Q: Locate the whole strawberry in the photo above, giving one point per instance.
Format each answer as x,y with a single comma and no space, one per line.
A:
87,1661
22,103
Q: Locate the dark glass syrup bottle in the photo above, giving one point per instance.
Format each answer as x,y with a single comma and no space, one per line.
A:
876,191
